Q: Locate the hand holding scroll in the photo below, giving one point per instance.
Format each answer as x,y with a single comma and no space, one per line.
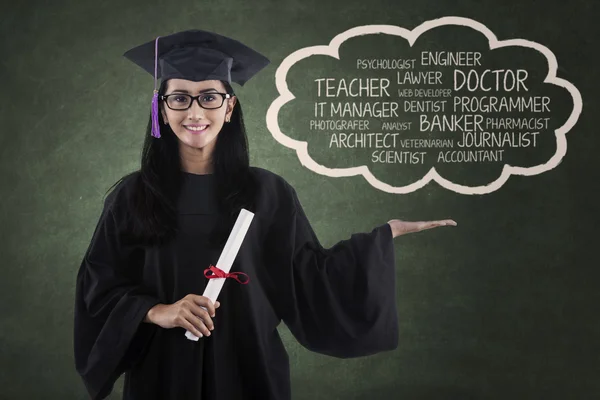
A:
193,313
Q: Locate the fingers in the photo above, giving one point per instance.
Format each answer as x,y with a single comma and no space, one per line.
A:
202,314
435,224
447,222
424,225
200,319
204,302
195,314
400,227
197,327
204,325
187,320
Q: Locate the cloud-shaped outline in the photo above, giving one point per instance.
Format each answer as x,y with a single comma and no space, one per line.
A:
411,36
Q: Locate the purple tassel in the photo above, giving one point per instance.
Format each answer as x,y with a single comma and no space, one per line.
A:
155,127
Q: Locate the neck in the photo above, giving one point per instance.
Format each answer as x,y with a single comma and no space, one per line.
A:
196,161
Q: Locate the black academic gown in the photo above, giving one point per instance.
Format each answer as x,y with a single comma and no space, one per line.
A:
338,301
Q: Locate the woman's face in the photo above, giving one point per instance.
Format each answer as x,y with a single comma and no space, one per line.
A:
197,127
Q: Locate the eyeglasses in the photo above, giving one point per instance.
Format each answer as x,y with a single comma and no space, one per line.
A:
208,101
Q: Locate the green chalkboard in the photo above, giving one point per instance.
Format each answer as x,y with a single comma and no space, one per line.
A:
503,306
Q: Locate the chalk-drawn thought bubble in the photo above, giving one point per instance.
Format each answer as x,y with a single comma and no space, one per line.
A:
446,102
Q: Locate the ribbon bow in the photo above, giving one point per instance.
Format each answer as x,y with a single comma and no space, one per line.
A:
213,272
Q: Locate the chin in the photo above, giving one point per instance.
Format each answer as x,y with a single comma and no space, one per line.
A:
197,143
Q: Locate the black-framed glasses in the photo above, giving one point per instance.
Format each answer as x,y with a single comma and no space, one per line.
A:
182,101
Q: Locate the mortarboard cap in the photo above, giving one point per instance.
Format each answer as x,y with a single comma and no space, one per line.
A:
195,55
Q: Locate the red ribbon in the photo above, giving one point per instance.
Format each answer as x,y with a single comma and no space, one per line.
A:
219,273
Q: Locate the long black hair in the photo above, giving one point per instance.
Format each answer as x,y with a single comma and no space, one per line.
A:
152,206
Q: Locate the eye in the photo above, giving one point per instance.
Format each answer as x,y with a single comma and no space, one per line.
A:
180,99
208,97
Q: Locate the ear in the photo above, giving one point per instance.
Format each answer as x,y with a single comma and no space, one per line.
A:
230,105
164,114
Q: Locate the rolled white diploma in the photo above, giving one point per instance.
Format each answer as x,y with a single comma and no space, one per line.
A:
232,246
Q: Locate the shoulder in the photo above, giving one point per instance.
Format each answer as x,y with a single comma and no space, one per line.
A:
276,195
122,191
270,180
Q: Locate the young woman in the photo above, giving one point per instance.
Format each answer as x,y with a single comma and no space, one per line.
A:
140,283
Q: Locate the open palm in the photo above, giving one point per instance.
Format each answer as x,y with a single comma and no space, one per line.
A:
400,227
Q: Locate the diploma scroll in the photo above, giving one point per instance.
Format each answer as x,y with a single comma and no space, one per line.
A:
232,246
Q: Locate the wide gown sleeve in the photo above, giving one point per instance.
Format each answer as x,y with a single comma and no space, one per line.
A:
339,301
110,305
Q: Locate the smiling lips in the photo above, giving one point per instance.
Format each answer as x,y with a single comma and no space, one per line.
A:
196,128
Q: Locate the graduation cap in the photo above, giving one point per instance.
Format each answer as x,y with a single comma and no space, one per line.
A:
195,55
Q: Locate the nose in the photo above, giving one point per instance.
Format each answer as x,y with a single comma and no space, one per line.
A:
195,111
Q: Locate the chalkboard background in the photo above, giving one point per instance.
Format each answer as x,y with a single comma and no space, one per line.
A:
502,306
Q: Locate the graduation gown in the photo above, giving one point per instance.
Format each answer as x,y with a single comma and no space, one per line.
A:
338,301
